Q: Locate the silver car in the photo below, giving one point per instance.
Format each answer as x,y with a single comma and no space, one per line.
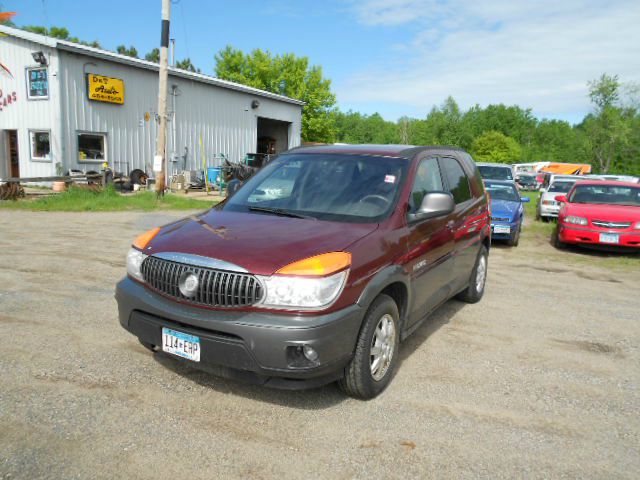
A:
547,207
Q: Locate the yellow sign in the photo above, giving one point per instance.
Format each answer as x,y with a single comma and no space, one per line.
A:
105,89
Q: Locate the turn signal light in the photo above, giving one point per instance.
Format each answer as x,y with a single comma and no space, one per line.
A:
143,240
318,266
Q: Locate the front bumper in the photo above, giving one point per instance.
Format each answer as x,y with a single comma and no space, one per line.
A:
513,228
260,347
589,236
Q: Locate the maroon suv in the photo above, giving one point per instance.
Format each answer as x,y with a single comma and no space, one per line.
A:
316,268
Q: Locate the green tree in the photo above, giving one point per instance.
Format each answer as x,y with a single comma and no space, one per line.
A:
61,33
153,56
605,91
609,129
129,52
287,75
187,65
496,147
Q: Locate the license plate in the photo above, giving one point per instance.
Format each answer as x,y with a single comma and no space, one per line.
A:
501,229
609,238
181,344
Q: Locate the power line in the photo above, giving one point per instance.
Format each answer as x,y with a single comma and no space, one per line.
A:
184,28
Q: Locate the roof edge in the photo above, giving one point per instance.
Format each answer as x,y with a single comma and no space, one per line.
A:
144,64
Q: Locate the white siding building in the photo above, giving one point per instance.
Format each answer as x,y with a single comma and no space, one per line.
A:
48,124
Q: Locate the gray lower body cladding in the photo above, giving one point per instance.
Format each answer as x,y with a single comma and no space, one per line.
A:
259,347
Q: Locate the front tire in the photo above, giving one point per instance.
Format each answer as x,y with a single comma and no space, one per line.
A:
559,244
478,279
376,355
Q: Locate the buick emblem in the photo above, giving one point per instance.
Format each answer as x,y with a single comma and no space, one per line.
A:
188,284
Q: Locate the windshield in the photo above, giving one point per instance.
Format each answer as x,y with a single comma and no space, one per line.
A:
502,192
346,188
606,194
495,173
561,187
527,180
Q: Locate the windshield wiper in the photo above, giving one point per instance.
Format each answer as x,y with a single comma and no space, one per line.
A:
281,212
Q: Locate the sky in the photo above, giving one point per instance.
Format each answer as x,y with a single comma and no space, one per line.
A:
395,57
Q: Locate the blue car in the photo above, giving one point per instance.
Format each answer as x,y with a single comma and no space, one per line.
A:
507,212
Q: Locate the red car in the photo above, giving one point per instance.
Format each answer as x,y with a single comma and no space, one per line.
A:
600,213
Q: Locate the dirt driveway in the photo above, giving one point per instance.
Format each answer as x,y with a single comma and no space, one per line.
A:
539,380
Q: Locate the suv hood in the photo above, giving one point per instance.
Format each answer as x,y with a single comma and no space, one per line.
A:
261,243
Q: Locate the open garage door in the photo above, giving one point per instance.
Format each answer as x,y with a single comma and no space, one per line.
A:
273,136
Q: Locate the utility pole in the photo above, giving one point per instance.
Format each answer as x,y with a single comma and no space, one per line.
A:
161,143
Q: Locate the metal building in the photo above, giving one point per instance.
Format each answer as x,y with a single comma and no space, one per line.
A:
67,106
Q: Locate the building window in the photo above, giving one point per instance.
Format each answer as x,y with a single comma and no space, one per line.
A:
37,83
40,145
92,147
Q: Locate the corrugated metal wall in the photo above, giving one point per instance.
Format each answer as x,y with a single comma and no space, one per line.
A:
23,114
223,118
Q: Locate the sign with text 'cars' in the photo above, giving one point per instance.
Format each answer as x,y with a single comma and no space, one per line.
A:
105,89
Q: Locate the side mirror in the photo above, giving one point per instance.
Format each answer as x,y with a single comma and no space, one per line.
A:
561,199
525,199
434,204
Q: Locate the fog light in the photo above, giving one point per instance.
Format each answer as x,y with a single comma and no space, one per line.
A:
310,353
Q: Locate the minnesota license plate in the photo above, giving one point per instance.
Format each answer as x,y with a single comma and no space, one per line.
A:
501,229
181,344
609,238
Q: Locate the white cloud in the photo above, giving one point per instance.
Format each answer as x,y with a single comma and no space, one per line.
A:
537,54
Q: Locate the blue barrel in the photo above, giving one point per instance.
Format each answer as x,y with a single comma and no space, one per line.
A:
213,175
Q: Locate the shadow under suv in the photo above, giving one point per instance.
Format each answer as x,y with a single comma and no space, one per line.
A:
316,268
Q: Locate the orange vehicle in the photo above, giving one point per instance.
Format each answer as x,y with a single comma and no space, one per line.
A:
567,168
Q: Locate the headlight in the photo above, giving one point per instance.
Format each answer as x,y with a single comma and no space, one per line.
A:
289,292
310,283
576,220
637,226
134,262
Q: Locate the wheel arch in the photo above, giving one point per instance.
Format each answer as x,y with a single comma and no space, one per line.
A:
394,282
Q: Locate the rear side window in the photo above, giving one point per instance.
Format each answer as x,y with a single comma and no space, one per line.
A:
457,180
427,180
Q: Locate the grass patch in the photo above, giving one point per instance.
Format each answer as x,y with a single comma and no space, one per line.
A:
107,200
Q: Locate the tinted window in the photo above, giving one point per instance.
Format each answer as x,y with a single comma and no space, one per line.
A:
457,180
561,187
496,173
500,191
427,180
345,188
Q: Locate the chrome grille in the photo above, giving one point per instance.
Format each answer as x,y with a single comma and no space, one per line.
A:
500,219
216,288
605,224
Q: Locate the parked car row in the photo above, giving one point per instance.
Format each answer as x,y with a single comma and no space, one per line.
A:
328,257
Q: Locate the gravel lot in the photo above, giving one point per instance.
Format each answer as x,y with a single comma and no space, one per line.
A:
539,380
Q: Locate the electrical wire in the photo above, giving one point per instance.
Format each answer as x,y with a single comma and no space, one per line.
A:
184,28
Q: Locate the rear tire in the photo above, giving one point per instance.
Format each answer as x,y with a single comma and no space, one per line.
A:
379,340
478,279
